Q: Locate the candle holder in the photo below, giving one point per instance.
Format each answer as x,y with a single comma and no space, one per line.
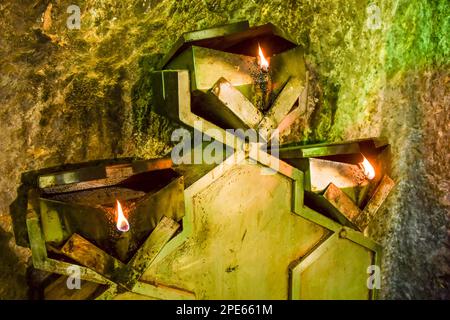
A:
222,230
217,77
72,221
88,206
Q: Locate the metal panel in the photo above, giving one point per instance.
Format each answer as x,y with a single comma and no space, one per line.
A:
232,247
190,38
226,106
282,105
365,146
336,204
286,65
235,68
336,270
320,173
237,37
237,103
176,104
380,194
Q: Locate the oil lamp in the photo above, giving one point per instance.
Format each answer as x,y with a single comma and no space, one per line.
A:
369,171
121,221
262,61
263,81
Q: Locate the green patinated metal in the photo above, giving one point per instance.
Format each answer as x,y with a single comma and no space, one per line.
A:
244,234
228,38
368,145
325,272
283,103
233,238
226,106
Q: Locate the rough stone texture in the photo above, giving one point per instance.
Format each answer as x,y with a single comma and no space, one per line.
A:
69,96
13,282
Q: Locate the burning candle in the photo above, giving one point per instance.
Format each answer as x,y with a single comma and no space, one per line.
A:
121,221
369,171
123,242
262,61
263,81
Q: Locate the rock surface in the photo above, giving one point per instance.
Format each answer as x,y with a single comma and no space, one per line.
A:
69,96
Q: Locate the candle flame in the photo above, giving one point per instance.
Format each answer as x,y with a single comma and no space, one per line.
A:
263,63
122,222
369,171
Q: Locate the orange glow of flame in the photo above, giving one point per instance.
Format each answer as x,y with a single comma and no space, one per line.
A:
263,63
369,171
122,222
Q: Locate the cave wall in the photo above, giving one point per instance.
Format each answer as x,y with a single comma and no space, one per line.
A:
69,96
